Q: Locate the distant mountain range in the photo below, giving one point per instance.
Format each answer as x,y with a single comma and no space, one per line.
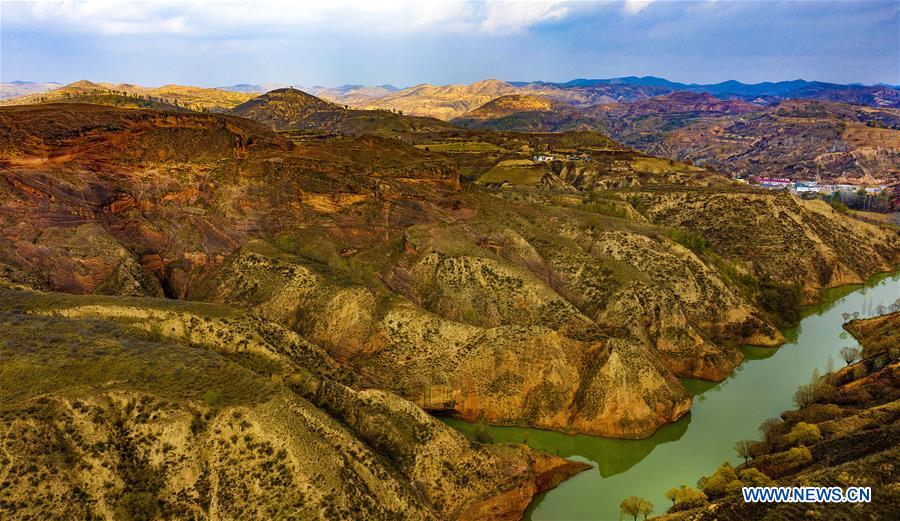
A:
787,89
15,89
797,129
452,101
795,138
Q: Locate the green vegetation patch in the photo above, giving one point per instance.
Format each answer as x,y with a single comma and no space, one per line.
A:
517,172
41,354
462,147
653,165
782,300
690,240
605,203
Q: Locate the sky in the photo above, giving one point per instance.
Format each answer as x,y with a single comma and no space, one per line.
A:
405,42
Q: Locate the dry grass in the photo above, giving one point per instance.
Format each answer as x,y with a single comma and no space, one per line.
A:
517,172
462,147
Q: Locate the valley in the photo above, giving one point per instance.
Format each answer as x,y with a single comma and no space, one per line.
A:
307,278
432,260
722,414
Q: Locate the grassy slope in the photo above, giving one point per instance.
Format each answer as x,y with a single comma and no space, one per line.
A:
110,417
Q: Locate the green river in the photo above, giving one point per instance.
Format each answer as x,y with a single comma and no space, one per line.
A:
722,413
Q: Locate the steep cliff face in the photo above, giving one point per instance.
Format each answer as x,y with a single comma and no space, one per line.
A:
218,415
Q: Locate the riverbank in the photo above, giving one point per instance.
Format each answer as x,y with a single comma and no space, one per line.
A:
845,433
724,412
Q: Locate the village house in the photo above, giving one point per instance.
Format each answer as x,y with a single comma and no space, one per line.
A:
772,182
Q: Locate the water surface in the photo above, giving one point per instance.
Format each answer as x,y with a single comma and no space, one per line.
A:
722,413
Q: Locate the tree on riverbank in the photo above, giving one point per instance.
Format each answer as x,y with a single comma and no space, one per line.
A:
671,495
635,506
685,497
849,354
744,449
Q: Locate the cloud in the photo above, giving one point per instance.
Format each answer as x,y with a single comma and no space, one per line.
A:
633,7
224,18
504,17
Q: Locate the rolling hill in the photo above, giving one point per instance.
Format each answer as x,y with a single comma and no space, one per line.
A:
284,108
441,102
323,294
192,98
292,109
798,139
510,104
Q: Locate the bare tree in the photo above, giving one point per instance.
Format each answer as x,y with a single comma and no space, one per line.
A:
634,506
767,427
671,495
744,449
849,354
804,395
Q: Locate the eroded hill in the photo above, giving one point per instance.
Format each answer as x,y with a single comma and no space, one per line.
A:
514,307
126,408
352,278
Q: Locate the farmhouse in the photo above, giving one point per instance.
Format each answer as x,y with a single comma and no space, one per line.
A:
772,182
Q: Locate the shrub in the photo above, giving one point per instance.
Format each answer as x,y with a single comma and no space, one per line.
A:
803,434
482,434
213,398
198,424
850,354
781,300
155,334
634,506
808,393
689,240
745,449
137,506
799,455
671,495
723,481
769,429
754,478
804,395
687,497
839,206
